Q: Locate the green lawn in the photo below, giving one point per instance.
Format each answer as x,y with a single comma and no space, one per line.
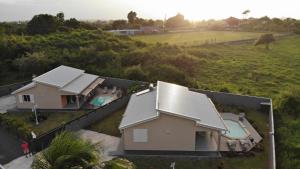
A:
54,119
109,125
196,38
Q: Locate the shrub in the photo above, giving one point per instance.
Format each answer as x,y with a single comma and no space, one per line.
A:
15,126
135,73
289,102
119,163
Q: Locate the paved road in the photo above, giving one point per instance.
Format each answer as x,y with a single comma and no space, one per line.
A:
10,147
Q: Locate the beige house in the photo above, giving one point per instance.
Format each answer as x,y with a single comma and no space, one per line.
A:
170,117
61,88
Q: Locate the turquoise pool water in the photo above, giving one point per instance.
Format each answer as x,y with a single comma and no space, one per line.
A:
101,100
235,130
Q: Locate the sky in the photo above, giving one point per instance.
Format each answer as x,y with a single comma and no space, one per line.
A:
19,10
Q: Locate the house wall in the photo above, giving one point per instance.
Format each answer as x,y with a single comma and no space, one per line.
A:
165,133
45,97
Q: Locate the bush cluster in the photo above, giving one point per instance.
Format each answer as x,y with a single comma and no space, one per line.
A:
20,128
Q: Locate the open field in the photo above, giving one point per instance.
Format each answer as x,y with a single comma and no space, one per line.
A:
196,38
247,69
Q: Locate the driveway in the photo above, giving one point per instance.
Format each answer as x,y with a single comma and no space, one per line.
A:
110,145
20,163
7,102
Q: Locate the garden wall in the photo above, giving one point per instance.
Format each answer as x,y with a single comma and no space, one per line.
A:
83,121
229,99
252,102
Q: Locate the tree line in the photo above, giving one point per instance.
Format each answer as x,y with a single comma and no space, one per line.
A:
45,23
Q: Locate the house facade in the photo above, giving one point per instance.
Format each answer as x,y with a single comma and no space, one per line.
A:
170,117
61,88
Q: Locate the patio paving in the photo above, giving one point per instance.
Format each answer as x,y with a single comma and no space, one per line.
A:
109,144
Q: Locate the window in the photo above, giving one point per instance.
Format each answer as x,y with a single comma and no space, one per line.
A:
140,135
26,98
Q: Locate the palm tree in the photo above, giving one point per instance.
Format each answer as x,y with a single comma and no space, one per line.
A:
245,13
68,151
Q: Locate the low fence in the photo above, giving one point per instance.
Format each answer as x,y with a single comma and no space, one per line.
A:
122,83
229,99
8,89
252,102
83,121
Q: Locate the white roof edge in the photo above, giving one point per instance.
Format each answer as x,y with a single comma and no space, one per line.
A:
157,90
209,126
24,88
226,128
43,83
140,122
178,115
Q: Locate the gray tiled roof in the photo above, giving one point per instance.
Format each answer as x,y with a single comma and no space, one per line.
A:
140,108
80,83
174,100
65,78
59,76
180,101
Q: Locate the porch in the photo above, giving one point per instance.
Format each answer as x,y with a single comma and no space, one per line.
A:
205,141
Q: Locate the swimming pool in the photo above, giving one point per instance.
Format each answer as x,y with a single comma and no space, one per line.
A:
236,131
101,100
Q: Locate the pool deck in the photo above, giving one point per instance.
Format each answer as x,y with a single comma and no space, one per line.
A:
239,148
101,92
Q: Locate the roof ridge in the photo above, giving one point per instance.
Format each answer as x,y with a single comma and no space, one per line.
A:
72,80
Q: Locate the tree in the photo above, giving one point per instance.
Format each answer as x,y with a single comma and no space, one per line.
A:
135,73
176,21
265,39
232,21
60,17
132,16
68,151
42,24
72,23
119,24
245,13
33,63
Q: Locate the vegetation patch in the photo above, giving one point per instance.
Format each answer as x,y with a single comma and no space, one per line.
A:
109,125
197,37
54,119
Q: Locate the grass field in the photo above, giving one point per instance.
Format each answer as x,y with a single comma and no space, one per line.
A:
247,69
196,38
